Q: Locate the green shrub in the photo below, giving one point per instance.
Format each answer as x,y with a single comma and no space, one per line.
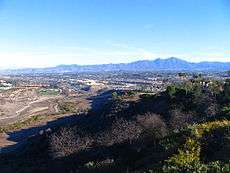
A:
171,90
188,157
218,167
67,107
226,110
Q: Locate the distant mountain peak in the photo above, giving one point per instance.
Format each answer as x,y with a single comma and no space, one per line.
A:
172,59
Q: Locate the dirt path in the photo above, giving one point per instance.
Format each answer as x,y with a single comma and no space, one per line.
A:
28,106
19,115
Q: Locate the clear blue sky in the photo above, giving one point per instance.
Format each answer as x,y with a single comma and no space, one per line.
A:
35,33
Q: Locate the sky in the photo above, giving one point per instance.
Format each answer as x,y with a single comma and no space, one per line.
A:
42,33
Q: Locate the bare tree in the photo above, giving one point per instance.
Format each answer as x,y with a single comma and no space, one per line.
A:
66,142
153,124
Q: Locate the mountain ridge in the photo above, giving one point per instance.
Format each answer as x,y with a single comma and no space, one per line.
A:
169,64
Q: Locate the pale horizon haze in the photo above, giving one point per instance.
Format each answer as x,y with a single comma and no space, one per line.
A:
48,33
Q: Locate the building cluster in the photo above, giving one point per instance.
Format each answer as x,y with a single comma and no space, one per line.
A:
81,83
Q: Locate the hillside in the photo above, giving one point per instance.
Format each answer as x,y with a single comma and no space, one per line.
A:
184,129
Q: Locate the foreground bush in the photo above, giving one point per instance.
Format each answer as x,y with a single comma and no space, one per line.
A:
66,141
188,159
153,125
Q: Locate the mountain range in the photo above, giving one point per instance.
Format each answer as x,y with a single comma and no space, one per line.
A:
170,64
